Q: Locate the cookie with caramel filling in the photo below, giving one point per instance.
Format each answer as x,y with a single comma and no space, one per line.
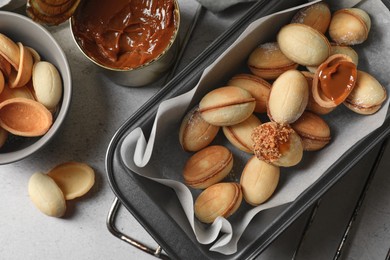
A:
277,144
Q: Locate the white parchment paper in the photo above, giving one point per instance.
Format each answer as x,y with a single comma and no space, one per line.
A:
161,158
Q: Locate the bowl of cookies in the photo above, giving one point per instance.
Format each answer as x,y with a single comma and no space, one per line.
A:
35,87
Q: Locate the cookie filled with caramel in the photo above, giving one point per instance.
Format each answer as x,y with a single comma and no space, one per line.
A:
334,80
277,144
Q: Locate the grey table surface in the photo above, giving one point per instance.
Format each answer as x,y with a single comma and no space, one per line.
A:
98,108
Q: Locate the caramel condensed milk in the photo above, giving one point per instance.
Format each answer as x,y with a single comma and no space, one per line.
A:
125,34
338,80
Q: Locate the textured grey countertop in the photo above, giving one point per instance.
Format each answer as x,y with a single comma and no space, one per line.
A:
98,108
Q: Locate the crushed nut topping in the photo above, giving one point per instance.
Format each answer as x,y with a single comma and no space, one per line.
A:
268,138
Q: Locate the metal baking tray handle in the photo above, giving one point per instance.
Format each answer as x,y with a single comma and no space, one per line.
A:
112,228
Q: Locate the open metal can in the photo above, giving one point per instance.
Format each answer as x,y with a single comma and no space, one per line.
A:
119,39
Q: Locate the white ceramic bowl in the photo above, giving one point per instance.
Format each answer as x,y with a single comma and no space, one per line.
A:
23,29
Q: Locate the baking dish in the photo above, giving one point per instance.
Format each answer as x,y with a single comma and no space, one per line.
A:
144,199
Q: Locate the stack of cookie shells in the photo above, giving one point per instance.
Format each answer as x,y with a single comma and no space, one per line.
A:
306,72
30,91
